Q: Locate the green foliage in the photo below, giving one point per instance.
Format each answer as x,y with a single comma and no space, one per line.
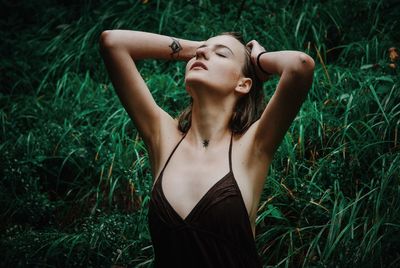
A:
75,178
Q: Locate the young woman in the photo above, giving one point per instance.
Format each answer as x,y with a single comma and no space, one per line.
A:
211,164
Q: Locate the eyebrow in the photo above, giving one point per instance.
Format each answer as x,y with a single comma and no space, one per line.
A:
218,46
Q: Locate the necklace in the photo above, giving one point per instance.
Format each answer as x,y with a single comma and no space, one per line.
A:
205,143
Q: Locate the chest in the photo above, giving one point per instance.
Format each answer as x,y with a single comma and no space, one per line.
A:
189,176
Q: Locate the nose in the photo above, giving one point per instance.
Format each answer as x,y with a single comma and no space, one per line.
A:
202,52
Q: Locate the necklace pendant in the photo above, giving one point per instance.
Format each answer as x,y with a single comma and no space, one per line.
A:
205,143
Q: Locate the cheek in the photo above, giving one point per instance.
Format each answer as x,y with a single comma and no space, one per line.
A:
229,75
228,68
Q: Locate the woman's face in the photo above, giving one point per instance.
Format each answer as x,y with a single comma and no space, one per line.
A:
217,65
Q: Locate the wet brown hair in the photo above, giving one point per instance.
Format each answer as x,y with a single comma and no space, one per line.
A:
247,109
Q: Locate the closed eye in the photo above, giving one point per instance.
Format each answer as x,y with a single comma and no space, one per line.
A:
221,55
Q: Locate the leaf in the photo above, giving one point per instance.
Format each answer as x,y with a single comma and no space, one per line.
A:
274,212
366,66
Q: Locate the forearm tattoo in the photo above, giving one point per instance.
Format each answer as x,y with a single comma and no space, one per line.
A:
175,47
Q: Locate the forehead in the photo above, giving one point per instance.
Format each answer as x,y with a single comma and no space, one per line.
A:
229,41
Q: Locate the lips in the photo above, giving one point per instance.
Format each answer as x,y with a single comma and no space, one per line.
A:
198,64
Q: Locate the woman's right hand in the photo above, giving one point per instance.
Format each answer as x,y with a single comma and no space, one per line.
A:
256,49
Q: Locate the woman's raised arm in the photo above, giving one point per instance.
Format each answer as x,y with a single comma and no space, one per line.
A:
120,49
296,70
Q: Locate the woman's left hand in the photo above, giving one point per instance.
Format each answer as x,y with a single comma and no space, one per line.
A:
256,49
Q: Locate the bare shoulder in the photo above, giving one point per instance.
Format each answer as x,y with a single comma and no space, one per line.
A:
250,165
249,160
168,137
246,145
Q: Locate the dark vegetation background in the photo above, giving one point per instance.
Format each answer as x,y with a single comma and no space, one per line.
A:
74,174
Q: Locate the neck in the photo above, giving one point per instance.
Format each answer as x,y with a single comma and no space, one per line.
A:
210,124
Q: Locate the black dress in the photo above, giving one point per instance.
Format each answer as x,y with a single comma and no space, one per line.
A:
216,233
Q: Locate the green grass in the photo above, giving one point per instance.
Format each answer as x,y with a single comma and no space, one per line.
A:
75,177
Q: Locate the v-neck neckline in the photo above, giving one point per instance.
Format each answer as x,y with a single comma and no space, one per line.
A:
186,219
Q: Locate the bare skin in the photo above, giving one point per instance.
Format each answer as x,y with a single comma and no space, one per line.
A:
215,82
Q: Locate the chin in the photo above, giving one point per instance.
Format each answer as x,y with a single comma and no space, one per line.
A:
195,80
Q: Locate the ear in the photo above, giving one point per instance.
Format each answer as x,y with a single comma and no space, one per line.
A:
244,85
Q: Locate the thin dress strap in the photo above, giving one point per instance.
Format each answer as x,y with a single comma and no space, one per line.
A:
173,151
230,153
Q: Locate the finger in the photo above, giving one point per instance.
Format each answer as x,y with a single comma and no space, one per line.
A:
251,43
